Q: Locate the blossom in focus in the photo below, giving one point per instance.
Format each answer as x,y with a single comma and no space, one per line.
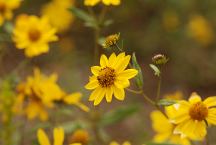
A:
192,117
6,9
58,14
33,34
110,78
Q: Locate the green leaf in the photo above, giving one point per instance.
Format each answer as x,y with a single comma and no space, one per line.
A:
155,69
118,115
166,102
139,77
88,19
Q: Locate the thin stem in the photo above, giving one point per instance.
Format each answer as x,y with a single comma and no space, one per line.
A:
148,99
134,91
120,49
159,88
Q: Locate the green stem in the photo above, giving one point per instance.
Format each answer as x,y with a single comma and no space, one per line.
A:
96,47
120,49
159,88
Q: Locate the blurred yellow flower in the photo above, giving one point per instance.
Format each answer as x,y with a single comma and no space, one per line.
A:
111,40
164,130
106,2
201,30
58,137
33,34
58,14
6,8
178,95
116,143
41,92
170,20
191,118
110,78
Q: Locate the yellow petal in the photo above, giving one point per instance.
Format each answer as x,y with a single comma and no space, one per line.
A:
123,63
126,143
95,70
122,83
114,143
210,101
58,136
99,97
109,93
42,137
92,85
119,93
112,60
128,74
94,94
211,118
73,98
103,61
194,98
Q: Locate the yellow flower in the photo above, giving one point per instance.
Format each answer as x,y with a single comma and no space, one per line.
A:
6,8
110,78
111,40
65,17
58,136
40,92
164,129
191,118
33,34
201,30
116,143
105,2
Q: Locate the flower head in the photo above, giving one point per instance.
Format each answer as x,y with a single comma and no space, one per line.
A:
200,29
80,136
192,117
65,18
164,130
111,77
111,40
105,2
40,92
33,34
6,8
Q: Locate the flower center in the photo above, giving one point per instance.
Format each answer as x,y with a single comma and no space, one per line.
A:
198,111
106,77
34,35
2,8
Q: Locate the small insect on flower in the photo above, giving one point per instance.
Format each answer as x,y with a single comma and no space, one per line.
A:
116,143
111,40
33,34
111,77
6,8
164,130
193,116
105,2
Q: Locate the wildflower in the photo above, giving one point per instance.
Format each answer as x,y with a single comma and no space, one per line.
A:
116,143
33,34
80,136
40,93
6,8
201,30
65,18
110,78
111,40
105,2
164,130
192,117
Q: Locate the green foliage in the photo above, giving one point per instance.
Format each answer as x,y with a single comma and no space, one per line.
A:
118,115
139,77
165,102
156,70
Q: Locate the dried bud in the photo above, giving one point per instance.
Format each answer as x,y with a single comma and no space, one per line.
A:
111,40
80,136
160,59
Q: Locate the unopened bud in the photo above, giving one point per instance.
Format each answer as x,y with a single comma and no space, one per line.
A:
160,59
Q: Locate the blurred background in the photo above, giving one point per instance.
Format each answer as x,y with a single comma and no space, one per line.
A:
182,30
